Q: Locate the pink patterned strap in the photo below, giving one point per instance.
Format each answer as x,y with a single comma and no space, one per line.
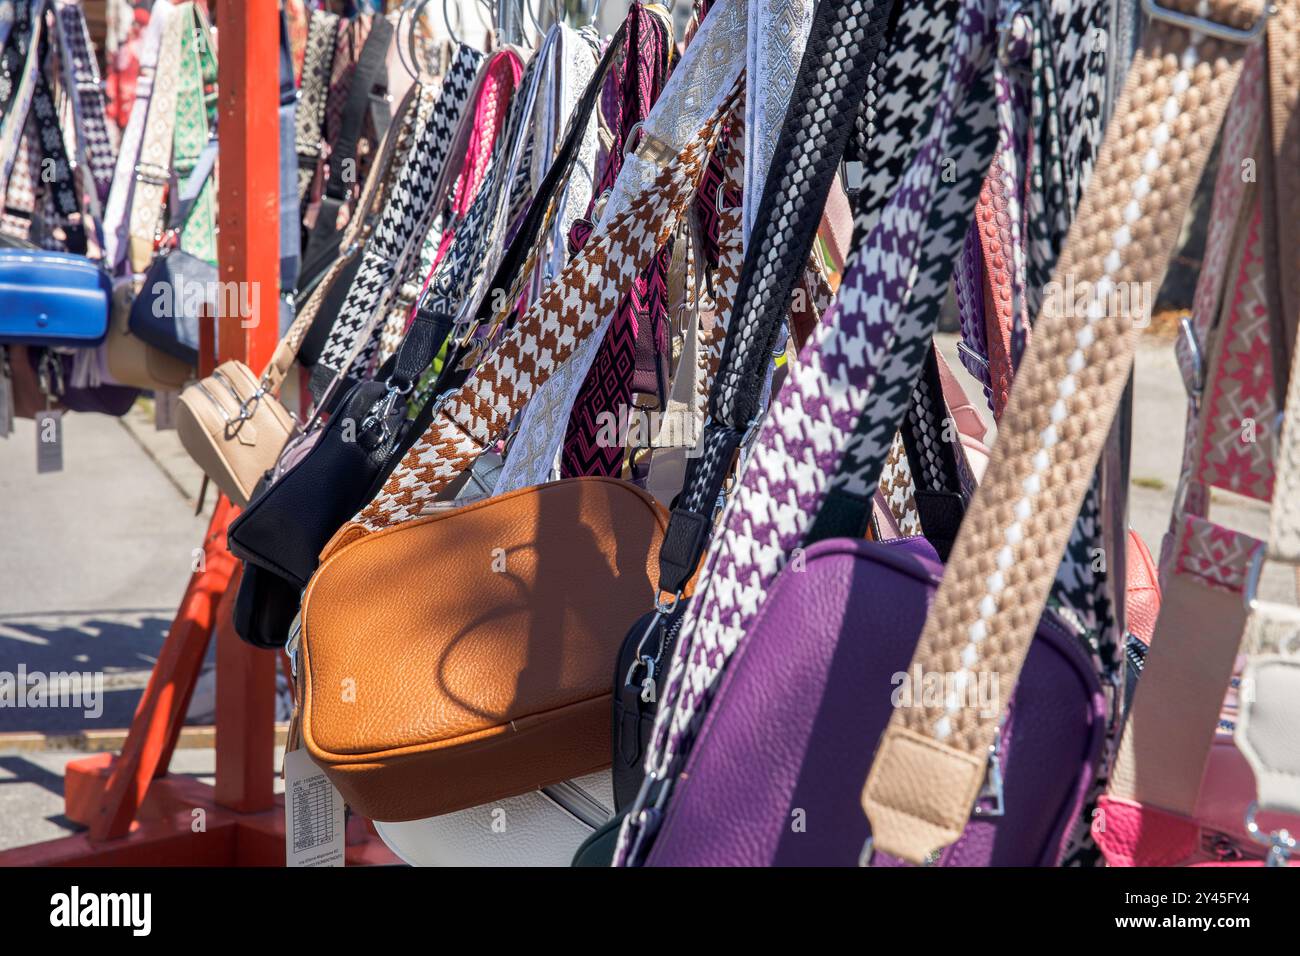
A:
630,92
497,84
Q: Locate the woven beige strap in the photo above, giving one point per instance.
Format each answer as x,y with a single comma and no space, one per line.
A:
153,169
931,761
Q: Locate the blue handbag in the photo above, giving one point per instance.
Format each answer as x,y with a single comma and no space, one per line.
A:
51,298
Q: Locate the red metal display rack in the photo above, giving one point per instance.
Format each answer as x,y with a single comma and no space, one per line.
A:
135,811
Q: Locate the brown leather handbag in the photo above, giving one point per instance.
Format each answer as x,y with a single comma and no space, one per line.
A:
465,656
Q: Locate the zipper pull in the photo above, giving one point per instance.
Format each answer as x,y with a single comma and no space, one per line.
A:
992,789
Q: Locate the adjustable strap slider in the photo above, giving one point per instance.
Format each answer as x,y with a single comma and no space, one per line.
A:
153,174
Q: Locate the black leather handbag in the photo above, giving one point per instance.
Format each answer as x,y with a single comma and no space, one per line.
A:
285,527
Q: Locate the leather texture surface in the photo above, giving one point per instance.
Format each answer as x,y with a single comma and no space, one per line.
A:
130,359
774,777
1135,834
427,691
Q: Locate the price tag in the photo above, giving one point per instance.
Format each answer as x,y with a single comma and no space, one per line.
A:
313,814
164,410
49,441
6,401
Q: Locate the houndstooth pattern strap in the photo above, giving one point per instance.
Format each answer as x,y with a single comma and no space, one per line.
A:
806,432
540,428
843,45
565,315
362,347
309,121
407,205
931,760
411,113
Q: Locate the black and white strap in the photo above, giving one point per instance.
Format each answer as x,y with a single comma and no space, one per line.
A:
409,205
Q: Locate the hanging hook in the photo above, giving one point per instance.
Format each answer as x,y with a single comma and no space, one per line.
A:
446,19
537,24
414,9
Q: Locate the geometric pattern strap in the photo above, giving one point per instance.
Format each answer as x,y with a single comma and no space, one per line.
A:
153,168
309,120
82,75
930,763
1230,216
1284,79
1265,731
778,33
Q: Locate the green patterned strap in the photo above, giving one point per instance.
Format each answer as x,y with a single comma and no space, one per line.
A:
195,124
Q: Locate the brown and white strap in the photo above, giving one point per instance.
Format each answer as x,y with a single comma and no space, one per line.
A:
657,182
931,761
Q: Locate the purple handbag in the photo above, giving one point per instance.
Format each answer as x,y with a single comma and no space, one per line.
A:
775,775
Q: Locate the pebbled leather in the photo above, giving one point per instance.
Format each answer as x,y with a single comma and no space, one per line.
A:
490,677
774,775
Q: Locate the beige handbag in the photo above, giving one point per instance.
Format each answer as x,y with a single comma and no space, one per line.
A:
133,362
232,424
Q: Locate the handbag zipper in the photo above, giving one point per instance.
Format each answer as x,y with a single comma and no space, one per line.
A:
652,663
